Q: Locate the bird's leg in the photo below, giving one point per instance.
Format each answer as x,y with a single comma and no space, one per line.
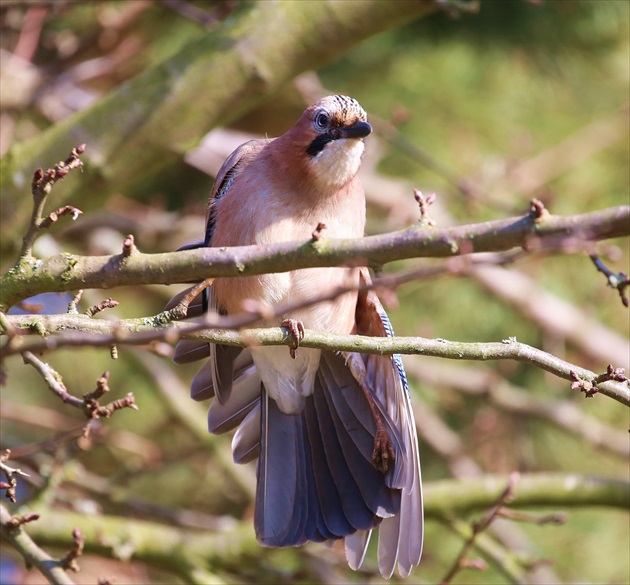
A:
383,448
383,452
296,330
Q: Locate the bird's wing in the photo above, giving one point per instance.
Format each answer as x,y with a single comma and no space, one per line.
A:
232,166
223,357
400,537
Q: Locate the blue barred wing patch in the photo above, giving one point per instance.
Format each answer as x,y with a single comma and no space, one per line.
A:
396,357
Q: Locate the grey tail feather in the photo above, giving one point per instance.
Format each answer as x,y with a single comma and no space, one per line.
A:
281,498
223,360
345,398
315,481
246,440
188,351
356,546
223,417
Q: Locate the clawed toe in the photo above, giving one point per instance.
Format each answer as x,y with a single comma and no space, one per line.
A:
296,330
383,452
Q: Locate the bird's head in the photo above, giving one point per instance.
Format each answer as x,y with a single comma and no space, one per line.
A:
329,138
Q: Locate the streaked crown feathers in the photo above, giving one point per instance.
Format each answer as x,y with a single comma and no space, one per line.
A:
342,110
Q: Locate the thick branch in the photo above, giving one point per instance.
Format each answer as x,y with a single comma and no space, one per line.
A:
454,498
91,332
70,272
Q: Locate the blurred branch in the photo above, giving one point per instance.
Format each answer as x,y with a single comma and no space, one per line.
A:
68,272
555,316
481,382
110,491
533,174
31,31
33,416
503,558
433,431
171,390
207,18
178,549
182,551
159,115
448,498
100,332
462,561
616,280
13,532
89,404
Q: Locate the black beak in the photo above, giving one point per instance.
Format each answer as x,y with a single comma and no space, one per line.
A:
359,130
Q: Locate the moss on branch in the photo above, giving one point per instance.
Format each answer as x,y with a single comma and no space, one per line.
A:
81,331
67,272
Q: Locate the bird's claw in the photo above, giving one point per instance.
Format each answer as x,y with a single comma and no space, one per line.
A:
296,330
383,452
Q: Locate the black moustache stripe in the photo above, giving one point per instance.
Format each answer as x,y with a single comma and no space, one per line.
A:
315,147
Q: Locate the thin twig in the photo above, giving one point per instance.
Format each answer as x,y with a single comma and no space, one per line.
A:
108,303
41,186
180,310
53,380
507,398
532,518
72,305
89,404
479,527
10,473
129,246
616,280
69,562
55,215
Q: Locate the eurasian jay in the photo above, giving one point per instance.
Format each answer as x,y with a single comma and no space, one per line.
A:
333,432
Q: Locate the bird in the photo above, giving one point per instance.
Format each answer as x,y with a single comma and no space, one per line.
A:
333,433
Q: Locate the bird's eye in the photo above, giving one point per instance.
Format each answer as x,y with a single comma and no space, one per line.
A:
321,120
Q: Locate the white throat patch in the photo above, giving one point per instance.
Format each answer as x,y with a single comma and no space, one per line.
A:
338,162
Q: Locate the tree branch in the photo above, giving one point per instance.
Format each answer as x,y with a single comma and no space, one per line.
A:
69,272
89,404
564,414
175,548
41,186
478,527
32,554
96,332
454,498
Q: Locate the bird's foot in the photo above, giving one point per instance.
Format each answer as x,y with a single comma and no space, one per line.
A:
383,452
296,330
